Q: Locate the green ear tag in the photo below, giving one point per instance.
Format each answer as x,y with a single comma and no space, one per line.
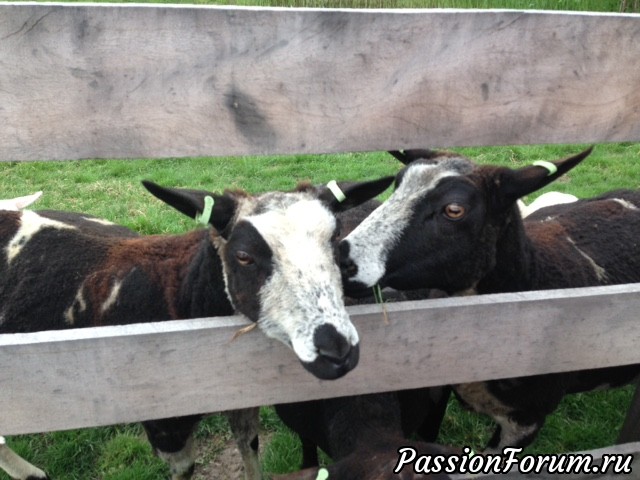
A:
205,216
323,474
335,189
548,165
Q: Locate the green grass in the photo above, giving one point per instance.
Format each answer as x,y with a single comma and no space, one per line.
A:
111,189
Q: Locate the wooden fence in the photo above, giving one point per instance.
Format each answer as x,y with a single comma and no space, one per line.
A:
121,81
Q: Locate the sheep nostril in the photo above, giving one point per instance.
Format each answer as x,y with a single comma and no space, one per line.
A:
330,344
348,267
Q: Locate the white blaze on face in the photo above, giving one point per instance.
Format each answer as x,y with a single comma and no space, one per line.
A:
305,288
30,224
372,240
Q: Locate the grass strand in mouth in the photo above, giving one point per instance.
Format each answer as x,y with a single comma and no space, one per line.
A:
377,294
243,331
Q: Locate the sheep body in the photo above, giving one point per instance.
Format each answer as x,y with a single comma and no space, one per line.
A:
64,270
455,226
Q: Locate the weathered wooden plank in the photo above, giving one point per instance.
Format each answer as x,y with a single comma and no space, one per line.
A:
90,377
96,81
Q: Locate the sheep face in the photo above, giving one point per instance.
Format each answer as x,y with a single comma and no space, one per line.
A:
279,257
441,226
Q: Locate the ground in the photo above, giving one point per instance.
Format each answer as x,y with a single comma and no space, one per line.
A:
223,465
220,460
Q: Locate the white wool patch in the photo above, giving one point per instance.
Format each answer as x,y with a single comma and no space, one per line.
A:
545,200
372,240
30,224
511,433
625,203
19,203
601,273
305,288
113,296
99,221
80,302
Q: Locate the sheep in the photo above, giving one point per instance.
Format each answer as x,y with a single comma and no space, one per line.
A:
420,410
362,434
270,257
455,226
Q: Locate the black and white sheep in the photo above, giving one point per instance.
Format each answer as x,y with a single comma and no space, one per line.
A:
271,257
315,422
454,225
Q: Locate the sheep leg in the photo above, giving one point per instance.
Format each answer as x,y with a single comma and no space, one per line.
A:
512,433
16,467
309,453
245,425
437,407
519,406
172,441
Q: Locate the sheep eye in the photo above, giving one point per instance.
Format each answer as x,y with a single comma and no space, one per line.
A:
244,258
454,211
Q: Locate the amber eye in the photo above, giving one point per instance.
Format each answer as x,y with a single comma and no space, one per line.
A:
454,211
244,258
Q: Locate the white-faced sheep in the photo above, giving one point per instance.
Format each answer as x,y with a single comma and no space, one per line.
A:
455,226
416,411
271,257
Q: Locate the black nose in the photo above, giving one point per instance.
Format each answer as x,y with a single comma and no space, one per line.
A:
336,356
330,344
348,268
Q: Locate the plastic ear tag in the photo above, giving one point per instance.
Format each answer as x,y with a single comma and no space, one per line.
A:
205,216
335,189
323,474
548,165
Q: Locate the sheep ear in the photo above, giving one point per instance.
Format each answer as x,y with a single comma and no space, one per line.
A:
514,184
19,203
341,196
409,156
217,212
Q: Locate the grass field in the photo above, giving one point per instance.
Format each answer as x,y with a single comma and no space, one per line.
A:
111,189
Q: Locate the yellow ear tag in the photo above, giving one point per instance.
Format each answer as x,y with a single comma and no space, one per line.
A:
335,189
323,474
548,165
205,216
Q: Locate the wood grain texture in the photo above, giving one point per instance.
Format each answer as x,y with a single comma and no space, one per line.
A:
90,377
103,81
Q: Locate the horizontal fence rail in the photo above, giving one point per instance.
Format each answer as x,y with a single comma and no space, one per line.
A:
97,376
123,81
